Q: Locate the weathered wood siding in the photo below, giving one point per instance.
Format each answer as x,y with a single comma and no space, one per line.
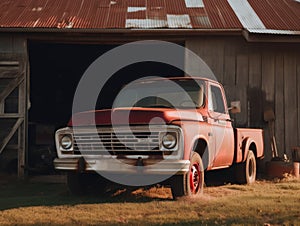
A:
262,76
13,97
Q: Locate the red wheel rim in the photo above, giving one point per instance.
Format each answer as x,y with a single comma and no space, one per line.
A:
195,178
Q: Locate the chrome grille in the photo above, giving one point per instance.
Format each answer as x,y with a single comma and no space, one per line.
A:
120,142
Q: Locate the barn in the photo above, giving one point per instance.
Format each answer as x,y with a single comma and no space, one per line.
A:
252,47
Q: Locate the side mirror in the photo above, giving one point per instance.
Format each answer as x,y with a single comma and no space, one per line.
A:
235,107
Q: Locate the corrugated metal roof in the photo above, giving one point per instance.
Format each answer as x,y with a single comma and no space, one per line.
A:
246,14
101,14
277,32
278,14
253,15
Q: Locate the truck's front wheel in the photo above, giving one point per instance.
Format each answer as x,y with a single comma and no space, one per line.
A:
246,171
191,183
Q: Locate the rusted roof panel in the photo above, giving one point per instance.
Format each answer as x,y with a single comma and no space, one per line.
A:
278,14
269,15
176,7
221,15
113,14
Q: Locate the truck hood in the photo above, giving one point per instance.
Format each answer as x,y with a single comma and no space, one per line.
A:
125,116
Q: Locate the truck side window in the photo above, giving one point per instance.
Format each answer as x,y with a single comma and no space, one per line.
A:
216,103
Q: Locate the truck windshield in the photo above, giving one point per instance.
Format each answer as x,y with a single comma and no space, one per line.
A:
162,94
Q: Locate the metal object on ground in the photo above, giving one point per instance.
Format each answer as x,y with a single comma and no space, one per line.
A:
269,117
296,154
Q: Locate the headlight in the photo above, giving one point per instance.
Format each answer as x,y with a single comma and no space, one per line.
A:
169,140
66,142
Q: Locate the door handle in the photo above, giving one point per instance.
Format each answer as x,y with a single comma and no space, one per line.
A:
210,134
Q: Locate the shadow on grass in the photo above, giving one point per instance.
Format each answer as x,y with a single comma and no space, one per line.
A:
17,194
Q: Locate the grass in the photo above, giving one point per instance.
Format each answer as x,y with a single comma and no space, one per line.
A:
275,203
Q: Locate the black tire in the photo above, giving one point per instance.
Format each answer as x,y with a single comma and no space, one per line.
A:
192,183
246,172
76,183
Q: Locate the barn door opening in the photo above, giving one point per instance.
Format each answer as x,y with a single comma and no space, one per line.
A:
55,71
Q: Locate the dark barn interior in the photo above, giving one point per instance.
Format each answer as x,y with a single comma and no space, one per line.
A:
55,71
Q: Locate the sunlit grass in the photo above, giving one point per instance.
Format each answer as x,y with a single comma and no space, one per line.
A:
276,202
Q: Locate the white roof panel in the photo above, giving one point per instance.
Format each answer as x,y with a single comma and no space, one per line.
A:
246,14
179,21
135,9
145,23
194,3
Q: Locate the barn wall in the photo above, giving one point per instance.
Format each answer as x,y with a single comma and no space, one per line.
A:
13,77
262,76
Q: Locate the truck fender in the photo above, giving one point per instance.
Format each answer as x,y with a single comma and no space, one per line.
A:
203,153
246,143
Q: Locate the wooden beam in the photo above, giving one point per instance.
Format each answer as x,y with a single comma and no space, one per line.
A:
21,151
11,134
2,108
9,72
10,116
11,87
279,101
22,131
290,101
9,63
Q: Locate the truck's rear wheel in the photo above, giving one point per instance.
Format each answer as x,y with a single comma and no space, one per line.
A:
246,171
191,183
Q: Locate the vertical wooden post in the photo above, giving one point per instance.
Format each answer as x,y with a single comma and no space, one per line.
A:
2,107
21,152
22,129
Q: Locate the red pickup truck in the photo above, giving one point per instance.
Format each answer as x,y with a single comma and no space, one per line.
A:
177,128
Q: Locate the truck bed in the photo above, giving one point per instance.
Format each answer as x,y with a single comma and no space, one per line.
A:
244,137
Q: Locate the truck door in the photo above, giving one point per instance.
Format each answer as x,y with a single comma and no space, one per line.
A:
222,132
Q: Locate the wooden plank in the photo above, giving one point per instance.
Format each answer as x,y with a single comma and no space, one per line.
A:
6,43
242,69
255,74
20,44
2,104
229,77
215,58
268,77
10,56
10,116
11,134
290,100
237,93
9,72
192,66
242,78
22,97
11,87
255,118
9,63
21,151
279,102
268,96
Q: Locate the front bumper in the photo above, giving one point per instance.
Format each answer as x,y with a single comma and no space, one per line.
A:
116,166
